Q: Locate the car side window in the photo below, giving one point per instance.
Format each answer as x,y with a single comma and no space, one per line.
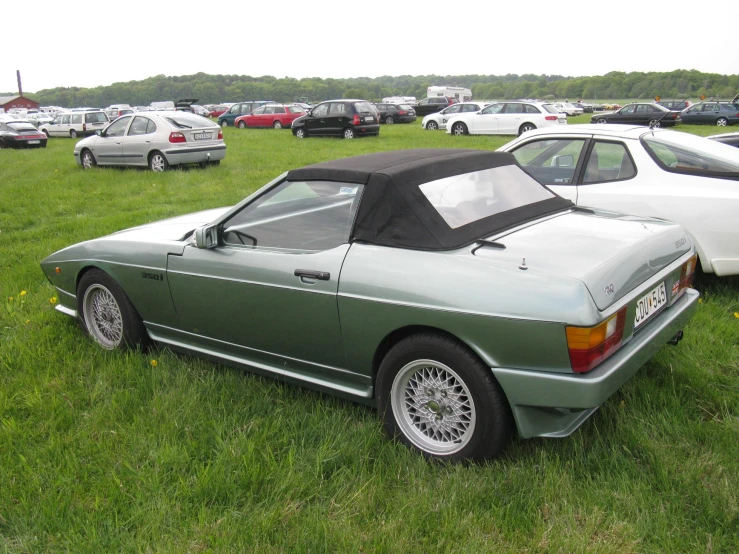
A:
138,126
268,110
712,107
65,119
118,127
321,110
234,109
76,119
608,161
279,109
514,108
337,108
151,127
627,110
57,120
456,108
493,108
296,216
551,162
470,108
528,108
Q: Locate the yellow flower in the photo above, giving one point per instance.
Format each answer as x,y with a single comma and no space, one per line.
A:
28,321
10,298
52,299
153,363
23,293
736,315
700,301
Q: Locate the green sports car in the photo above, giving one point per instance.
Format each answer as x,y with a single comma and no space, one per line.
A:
447,287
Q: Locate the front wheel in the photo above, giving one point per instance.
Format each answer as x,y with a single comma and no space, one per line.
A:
348,133
107,313
277,125
158,163
437,397
654,124
432,126
601,120
300,133
722,122
88,160
242,125
459,129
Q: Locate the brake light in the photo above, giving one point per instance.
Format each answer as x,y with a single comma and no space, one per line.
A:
551,118
402,112
220,134
357,120
177,137
589,346
687,272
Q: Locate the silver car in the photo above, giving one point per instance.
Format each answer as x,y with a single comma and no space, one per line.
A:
155,139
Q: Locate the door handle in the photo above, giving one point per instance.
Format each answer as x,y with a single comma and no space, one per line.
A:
319,275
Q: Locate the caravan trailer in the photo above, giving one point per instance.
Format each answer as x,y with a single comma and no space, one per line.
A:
460,93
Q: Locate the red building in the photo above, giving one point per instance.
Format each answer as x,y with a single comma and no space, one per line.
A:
9,102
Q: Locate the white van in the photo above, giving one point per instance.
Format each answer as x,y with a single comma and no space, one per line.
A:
117,110
460,93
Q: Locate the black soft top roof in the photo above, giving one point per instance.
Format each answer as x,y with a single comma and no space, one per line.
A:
394,212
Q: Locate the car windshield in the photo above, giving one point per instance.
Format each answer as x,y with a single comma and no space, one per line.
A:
551,108
685,153
469,197
185,120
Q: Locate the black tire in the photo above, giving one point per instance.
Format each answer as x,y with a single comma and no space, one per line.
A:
158,162
300,133
107,314
46,132
482,418
242,125
654,124
526,127
88,159
432,126
277,125
72,133
215,162
389,120
459,129
348,133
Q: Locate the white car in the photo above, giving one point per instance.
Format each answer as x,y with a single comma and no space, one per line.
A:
567,108
647,172
75,124
506,118
434,121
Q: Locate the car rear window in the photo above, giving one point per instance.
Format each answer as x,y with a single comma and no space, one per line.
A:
463,199
185,120
21,126
97,117
691,154
363,107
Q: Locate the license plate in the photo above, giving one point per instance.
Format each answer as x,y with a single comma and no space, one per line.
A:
369,119
34,142
650,304
202,136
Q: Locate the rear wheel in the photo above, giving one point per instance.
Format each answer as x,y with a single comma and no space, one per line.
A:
242,124
436,396
459,129
157,162
277,125
88,160
107,313
389,120
348,133
526,127
432,126
722,122
72,133
300,133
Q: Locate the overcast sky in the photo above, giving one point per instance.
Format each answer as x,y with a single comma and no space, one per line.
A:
91,43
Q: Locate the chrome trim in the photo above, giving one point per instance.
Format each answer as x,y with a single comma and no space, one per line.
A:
66,311
232,280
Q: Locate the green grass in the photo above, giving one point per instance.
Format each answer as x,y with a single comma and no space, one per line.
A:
108,452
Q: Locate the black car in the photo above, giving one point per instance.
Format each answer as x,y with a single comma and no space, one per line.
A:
650,114
338,118
396,113
732,139
586,108
434,104
20,134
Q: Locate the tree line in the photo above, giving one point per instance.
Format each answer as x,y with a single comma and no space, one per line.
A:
216,89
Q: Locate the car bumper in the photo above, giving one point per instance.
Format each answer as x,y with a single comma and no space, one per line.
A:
367,129
195,155
406,118
555,404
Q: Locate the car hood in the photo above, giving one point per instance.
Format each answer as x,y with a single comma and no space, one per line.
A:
176,228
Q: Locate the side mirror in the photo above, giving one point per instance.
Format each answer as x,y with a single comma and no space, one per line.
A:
563,161
206,236
99,133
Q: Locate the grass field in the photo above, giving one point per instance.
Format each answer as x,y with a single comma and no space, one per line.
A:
158,452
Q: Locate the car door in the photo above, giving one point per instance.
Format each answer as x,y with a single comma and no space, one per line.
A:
316,122
487,120
510,119
136,144
339,116
257,118
109,145
710,113
268,290
447,113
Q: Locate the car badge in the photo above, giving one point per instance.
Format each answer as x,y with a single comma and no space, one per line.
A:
608,289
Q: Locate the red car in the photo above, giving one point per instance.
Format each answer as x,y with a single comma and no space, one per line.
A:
273,115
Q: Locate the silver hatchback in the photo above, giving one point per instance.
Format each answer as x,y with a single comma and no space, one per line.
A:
154,139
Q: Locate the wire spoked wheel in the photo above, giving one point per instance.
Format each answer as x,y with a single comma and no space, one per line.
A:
103,316
433,407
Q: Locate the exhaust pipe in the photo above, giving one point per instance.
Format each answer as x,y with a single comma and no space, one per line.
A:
677,338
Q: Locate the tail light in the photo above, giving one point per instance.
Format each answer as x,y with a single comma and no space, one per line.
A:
177,137
551,118
402,112
674,116
687,272
589,346
357,120
220,134
84,127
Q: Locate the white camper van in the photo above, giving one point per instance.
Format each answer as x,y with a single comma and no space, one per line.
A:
460,93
